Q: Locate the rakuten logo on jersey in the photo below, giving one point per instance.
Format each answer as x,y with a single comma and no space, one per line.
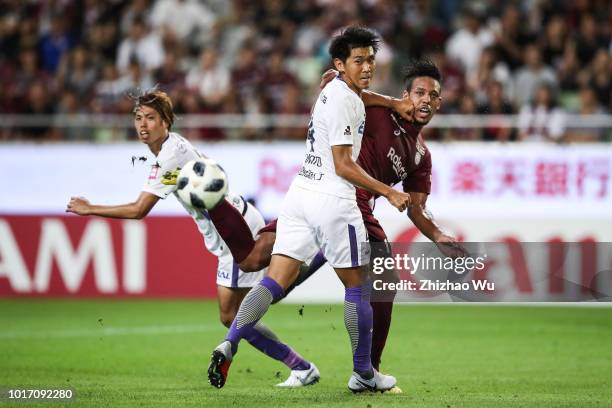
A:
398,166
43,256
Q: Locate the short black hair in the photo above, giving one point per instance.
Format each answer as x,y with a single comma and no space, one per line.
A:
353,37
420,68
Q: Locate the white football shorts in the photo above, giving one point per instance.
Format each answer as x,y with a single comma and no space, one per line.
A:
229,274
311,220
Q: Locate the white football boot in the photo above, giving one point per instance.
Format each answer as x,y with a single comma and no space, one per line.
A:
302,378
379,382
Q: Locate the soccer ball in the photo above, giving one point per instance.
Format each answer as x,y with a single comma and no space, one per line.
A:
201,183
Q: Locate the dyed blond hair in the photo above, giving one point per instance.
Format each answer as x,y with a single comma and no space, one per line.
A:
158,100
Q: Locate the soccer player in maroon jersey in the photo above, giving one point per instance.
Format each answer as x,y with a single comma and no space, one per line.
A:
392,151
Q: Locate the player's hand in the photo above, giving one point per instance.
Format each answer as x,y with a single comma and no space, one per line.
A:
398,199
169,177
78,205
404,107
449,246
327,77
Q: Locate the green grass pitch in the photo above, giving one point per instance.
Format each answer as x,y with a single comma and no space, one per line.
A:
154,353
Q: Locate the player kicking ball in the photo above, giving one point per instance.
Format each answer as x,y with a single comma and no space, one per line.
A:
153,119
320,212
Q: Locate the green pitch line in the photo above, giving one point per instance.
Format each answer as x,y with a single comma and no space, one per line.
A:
154,353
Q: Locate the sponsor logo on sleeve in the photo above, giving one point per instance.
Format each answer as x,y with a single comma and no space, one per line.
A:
154,170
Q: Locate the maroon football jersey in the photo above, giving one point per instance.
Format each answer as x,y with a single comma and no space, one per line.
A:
392,151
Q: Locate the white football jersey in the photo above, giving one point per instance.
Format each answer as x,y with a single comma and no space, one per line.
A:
338,118
176,152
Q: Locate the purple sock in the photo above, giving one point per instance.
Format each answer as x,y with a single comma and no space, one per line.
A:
253,307
358,321
264,340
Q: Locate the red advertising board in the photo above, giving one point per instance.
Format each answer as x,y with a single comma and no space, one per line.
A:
60,256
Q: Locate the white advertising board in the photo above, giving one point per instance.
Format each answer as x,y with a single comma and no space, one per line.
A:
473,180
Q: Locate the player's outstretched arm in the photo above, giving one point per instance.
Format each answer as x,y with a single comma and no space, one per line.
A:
347,169
404,107
135,210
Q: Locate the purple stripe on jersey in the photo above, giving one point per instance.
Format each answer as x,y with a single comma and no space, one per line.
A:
353,243
235,275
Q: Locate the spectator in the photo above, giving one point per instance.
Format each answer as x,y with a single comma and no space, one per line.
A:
291,106
189,21
210,80
135,80
496,104
102,41
588,40
276,82
28,71
70,105
531,74
489,69
467,106
54,45
246,80
554,41
141,46
466,44
511,38
135,9
169,76
569,68
38,103
600,79
77,73
589,105
542,120
109,90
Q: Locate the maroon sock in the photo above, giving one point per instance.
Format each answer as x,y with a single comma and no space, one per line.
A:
233,228
381,313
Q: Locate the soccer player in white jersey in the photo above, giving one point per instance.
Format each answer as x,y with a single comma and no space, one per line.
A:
153,119
320,212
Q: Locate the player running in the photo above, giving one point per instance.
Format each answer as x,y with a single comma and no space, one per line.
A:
320,212
153,119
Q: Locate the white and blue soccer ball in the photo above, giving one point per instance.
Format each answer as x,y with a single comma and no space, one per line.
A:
201,183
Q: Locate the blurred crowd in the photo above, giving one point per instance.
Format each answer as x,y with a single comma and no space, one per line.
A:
539,59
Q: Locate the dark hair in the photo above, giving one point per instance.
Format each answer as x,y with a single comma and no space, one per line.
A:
420,68
158,100
353,37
